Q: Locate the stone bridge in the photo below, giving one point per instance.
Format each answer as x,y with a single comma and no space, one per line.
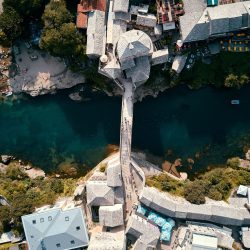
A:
125,145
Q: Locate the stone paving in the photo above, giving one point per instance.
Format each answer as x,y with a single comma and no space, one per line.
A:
125,146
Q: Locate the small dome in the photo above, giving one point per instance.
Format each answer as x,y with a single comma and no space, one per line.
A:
179,43
103,58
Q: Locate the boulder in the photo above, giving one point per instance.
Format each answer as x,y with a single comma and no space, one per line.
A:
6,159
248,155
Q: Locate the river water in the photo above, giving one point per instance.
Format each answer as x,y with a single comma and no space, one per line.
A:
179,123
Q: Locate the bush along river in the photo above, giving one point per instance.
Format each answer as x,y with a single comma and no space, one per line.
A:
201,125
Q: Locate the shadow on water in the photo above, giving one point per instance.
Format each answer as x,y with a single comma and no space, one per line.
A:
189,122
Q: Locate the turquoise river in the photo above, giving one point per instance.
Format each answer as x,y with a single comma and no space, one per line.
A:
179,123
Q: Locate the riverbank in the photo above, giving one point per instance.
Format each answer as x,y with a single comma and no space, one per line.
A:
38,73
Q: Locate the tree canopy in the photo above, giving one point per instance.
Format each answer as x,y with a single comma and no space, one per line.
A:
10,25
25,8
235,81
24,194
56,14
60,36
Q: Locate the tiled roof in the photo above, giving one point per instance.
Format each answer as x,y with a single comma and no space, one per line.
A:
146,233
140,73
89,5
99,194
95,33
114,178
56,229
180,208
111,216
121,5
132,44
159,56
201,22
148,20
82,20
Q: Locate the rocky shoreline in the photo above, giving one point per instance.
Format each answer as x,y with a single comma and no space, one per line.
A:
32,172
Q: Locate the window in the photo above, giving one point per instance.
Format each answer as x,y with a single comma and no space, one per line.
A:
78,228
58,245
41,220
50,218
34,221
72,242
66,218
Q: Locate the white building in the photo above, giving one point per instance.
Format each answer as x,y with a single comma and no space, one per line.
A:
60,227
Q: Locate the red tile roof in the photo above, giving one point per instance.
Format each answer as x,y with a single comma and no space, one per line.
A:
82,20
86,6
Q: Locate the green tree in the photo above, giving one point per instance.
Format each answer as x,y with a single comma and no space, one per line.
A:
15,173
60,36
233,162
243,80
10,25
195,192
214,194
231,81
25,8
56,14
234,81
5,218
4,39
57,186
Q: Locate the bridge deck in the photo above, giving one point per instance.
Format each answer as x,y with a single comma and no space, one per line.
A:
125,145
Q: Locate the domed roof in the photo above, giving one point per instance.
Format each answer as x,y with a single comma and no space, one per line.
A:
133,44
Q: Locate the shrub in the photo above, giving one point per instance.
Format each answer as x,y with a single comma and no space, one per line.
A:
103,167
233,162
195,192
214,194
57,186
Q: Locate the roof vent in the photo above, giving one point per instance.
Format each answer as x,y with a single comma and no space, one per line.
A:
131,46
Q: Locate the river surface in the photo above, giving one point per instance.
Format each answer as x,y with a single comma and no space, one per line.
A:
179,123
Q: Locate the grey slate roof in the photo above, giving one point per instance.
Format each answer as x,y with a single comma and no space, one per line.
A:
121,5
56,229
195,212
119,27
111,216
179,63
99,193
148,20
132,44
114,176
95,33
159,56
140,73
119,195
112,69
128,63
122,16
146,233
179,208
199,22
